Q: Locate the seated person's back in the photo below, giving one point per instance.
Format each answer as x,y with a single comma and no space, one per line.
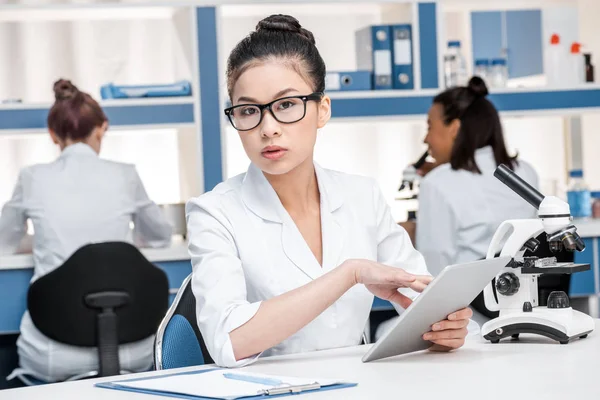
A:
76,200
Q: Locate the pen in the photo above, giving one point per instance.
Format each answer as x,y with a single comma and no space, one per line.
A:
253,379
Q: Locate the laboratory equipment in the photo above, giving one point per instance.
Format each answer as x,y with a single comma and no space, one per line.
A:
576,65
498,73
455,66
578,195
589,67
410,176
517,283
482,70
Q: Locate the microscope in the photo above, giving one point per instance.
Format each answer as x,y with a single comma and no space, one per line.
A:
410,176
517,284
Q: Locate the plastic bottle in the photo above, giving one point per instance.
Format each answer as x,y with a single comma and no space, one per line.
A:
482,70
455,66
499,72
555,62
595,204
449,70
578,195
576,72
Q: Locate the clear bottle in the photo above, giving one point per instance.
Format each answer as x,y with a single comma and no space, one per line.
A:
482,70
498,73
578,195
455,66
556,63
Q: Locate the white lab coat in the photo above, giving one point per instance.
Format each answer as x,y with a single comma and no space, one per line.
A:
76,200
245,248
459,211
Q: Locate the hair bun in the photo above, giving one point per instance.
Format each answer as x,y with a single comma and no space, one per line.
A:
64,90
284,23
478,87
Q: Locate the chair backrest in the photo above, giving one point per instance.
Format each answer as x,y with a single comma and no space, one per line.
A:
57,301
178,341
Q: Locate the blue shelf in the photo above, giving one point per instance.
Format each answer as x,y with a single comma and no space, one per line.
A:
122,113
399,104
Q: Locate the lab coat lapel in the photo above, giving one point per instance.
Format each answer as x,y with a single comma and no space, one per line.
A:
332,226
260,197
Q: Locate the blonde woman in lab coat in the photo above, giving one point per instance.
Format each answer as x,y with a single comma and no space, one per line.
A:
287,257
76,200
461,203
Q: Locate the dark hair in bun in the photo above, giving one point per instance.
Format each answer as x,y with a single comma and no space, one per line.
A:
64,90
278,37
479,125
478,87
75,114
284,23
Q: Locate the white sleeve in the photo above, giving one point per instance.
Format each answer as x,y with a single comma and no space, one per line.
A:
394,245
13,220
151,228
436,228
218,281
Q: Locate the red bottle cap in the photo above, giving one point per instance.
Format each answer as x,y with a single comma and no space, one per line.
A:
575,48
555,39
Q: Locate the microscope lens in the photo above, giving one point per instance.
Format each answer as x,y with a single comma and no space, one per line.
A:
569,242
554,246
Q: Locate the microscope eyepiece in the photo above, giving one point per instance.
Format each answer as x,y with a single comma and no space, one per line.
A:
519,186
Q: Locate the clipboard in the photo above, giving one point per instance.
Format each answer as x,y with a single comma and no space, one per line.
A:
266,392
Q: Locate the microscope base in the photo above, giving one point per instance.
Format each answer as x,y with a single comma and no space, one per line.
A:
562,325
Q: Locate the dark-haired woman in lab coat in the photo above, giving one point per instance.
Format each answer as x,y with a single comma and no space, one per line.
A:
75,200
461,203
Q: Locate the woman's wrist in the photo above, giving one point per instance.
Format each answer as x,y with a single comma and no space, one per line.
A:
350,269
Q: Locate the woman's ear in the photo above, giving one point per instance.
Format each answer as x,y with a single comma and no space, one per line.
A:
324,110
454,128
100,132
54,137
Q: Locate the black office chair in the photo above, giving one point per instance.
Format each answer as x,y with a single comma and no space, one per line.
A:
178,342
104,295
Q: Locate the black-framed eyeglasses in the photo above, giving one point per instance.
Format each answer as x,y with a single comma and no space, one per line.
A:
287,110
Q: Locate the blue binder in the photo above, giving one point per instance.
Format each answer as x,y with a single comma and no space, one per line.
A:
374,53
347,80
402,68
117,385
112,91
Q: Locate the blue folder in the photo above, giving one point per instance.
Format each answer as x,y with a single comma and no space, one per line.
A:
116,385
402,68
112,91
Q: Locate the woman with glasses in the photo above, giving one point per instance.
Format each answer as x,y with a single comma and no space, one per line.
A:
287,257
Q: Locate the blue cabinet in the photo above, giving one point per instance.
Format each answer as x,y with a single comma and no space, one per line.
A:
516,34
584,283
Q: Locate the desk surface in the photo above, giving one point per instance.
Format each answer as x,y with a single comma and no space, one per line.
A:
533,368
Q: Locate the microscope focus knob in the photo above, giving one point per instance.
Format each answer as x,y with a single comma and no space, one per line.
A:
507,284
558,299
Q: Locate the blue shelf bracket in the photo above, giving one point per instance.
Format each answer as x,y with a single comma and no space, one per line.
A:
210,110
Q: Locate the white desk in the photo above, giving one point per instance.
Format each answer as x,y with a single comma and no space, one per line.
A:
533,368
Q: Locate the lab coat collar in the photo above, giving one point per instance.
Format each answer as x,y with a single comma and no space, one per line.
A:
260,197
78,149
484,157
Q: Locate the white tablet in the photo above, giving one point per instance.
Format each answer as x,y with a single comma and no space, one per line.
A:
452,290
